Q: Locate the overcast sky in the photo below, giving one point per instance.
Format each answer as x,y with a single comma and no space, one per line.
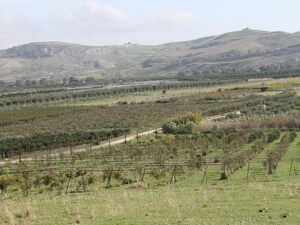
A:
105,22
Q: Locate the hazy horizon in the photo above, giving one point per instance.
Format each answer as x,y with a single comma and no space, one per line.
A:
115,22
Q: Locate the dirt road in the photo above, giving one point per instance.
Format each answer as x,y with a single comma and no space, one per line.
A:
102,145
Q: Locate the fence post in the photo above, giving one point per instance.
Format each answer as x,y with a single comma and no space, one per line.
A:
143,175
204,176
20,160
108,180
69,182
137,136
173,175
291,166
248,169
71,150
125,138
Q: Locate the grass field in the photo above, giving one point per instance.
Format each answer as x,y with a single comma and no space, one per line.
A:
222,203
290,162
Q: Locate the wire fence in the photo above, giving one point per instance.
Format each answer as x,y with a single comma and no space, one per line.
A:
210,170
69,177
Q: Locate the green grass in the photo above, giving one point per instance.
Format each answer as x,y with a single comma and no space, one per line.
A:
223,203
293,153
256,168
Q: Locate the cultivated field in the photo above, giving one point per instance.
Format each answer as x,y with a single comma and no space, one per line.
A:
226,154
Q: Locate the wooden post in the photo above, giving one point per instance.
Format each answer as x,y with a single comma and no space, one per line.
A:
204,176
137,136
91,146
108,180
173,175
143,175
26,185
20,160
125,138
71,150
248,169
291,166
69,182
223,174
148,135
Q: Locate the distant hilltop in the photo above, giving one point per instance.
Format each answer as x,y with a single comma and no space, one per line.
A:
234,52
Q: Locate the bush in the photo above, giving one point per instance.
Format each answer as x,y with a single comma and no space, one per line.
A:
169,128
5,182
273,135
187,129
187,119
183,124
292,136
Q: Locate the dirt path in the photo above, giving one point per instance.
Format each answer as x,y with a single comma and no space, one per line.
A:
103,145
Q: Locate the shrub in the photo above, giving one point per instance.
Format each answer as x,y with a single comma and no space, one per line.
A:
5,182
183,124
187,119
273,135
169,128
187,129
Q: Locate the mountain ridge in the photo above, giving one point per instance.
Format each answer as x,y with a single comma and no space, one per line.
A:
236,51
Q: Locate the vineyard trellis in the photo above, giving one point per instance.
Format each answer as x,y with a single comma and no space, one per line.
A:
38,171
157,160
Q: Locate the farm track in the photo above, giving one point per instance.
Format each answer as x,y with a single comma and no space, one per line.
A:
119,140
103,145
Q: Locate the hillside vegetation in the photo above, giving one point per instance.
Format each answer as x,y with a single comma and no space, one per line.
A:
245,51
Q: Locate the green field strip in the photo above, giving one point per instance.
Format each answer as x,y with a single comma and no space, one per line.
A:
256,167
289,165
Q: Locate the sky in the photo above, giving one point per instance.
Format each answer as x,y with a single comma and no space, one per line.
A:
110,22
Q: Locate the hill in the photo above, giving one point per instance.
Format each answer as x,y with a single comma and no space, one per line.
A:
245,50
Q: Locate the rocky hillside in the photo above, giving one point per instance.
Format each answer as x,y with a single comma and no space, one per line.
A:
245,50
